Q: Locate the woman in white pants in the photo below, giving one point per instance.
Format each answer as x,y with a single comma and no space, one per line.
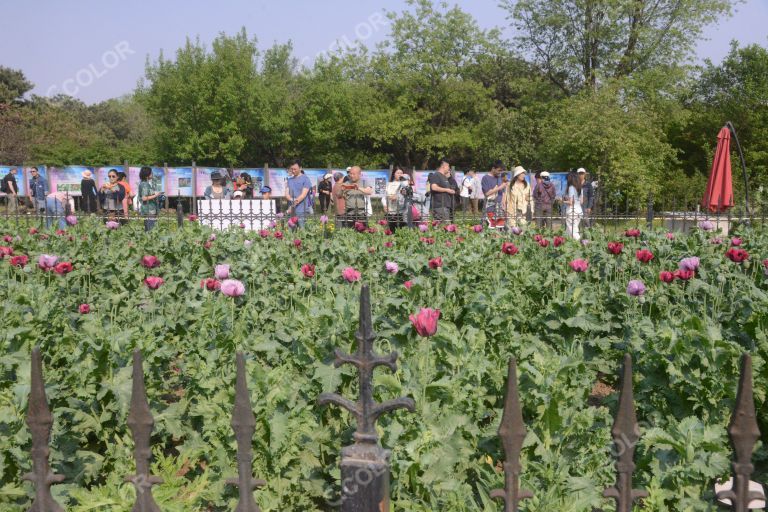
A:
573,200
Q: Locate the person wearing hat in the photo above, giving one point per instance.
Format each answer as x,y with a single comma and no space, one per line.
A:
89,194
266,192
543,196
517,198
588,191
217,189
325,189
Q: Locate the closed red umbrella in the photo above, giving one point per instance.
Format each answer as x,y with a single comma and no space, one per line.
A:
719,193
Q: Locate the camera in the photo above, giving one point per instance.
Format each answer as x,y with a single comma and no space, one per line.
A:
545,178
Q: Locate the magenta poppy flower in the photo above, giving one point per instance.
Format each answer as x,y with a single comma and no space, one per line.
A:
63,268
263,233
297,243
110,224
644,255
425,322
308,270
666,276
737,255
736,241
579,265
558,241
210,284
192,217
477,228
684,275
153,282
324,219
615,248
706,225
632,233
435,263
20,260
84,309
670,236
71,220
5,251
232,288
450,228
150,261
509,248
408,285
423,227
391,267
350,275
278,235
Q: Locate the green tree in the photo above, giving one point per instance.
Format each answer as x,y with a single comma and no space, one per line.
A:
583,43
619,142
13,85
736,90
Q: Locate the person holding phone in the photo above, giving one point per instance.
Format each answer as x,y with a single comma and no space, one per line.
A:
296,192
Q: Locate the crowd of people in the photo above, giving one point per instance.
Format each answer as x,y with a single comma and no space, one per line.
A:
505,199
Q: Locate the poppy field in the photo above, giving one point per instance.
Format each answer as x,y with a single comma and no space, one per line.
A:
455,301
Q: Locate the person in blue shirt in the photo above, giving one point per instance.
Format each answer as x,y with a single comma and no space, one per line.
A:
38,189
296,192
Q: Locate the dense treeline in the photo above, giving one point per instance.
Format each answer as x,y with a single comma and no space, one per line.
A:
607,85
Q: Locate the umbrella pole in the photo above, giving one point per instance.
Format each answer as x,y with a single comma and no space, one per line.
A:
730,126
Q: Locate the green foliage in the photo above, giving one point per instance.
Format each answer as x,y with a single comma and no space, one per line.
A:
13,85
568,331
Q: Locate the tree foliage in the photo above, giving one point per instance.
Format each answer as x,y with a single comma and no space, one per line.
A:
612,95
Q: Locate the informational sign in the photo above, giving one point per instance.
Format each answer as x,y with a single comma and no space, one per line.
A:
203,178
178,181
277,181
67,179
253,214
21,186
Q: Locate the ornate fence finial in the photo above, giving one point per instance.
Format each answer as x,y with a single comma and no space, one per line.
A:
366,410
244,425
512,433
364,465
40,421
141,423
626,434
744,433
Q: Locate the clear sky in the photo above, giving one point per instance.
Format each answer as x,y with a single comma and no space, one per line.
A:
97,49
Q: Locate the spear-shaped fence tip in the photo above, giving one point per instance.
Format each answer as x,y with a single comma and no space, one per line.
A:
512,433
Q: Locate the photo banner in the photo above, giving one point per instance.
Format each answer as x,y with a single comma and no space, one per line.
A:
257,178
277,181
203,178
19,174
67,179
178,181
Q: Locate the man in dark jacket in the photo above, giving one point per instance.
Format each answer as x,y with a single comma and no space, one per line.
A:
11,190
543,197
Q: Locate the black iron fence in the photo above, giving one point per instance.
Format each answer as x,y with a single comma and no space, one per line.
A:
675,216
365,464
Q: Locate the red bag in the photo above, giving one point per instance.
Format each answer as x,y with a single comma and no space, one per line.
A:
415,213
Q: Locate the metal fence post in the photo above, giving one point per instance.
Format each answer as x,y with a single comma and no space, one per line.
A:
650,214
179,214
365,464
40,421
512,433
141,423
626,434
